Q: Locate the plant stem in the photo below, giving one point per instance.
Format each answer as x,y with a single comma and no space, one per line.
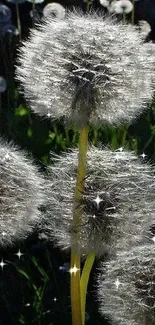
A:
75,289
33,13
124,17
84,281
18,20
133,12
77,214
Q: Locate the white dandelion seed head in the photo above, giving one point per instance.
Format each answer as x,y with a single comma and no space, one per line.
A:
144,28
111,7
54,9
123,6
132,301
105,3
5,14
36,1
86,69
21,193
118,200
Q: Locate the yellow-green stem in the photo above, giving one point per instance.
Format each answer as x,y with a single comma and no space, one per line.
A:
77,214
84,282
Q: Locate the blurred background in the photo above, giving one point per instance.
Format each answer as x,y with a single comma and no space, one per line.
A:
34,280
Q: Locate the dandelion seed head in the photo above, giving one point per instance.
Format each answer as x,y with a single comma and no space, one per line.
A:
36,1
5,14
104,3
9,28
16,1
118,200
54,9
21,193
111,7
86,69
123,6
144,28
133,301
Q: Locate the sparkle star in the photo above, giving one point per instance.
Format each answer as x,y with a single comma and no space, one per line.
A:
143,155
3,233
73,269
19,254
98,200
7,156
117,283
2,264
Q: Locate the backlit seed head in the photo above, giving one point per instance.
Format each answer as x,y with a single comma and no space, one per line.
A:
123,6
117,202
126,287
54,9
5,14
21,193
86,69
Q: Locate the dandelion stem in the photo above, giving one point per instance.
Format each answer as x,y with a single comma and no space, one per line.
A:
75,289
124,17
77,214
18,20
133,12
84,281
33,13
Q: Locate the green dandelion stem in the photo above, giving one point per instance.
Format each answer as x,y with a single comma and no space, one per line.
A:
77,214
84,281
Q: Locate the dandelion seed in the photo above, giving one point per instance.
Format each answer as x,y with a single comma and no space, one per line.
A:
86,69
118,202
